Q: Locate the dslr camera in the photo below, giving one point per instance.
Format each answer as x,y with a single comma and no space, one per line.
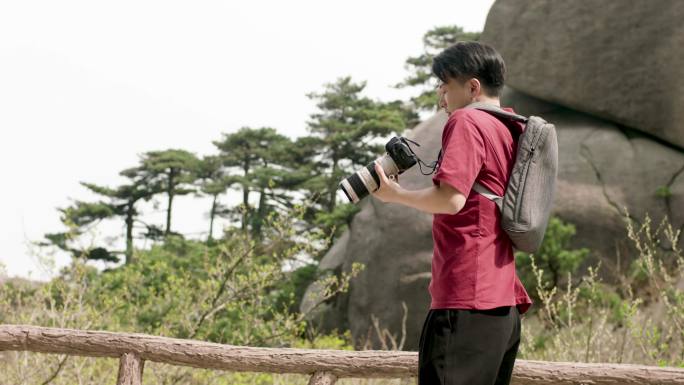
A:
399,158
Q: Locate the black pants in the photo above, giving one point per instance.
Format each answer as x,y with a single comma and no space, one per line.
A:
468,346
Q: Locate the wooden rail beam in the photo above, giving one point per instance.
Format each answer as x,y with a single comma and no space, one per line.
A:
208,355
325,365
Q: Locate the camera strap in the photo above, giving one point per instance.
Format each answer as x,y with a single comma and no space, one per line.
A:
432,165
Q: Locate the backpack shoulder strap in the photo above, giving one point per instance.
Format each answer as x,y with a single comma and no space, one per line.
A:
497,111
488,194
502,114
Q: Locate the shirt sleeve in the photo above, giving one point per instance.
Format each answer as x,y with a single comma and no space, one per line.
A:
463,155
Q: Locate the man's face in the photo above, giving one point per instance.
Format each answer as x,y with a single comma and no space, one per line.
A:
455,94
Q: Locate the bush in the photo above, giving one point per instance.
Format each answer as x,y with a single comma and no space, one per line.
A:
234,291
592,322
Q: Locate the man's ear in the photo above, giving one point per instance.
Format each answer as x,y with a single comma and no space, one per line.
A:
475,86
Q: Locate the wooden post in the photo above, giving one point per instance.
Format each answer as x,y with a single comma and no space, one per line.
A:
323,378
130,369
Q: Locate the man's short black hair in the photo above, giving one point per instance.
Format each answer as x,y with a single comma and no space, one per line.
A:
471,59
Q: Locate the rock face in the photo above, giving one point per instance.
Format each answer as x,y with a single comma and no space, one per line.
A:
619,60
602,168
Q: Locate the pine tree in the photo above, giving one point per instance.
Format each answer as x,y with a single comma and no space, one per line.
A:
420,67
122,202
79,218
342,135
170,171
213,181
260,154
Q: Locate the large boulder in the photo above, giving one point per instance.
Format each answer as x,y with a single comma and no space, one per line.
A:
619,60
607,172
603,168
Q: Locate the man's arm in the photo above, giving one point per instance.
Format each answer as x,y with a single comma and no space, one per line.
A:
442,199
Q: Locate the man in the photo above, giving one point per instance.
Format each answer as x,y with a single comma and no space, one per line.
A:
472,330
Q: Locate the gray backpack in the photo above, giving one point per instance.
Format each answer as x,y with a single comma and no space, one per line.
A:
526,205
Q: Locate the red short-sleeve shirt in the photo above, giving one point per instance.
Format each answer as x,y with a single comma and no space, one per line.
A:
473,265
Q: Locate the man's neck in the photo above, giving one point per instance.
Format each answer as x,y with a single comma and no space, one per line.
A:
488,100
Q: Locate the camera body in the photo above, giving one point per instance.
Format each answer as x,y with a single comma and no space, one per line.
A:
399,158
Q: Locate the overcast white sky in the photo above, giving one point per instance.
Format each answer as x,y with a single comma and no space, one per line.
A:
87,86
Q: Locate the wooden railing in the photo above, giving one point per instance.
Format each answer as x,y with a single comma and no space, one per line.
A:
324,365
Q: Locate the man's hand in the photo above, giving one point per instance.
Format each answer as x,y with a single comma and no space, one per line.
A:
389,189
